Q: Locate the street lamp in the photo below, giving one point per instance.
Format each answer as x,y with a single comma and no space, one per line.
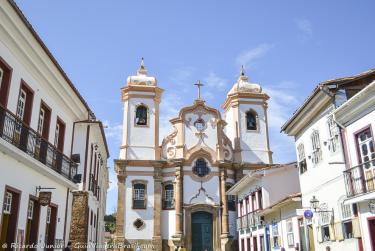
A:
314,203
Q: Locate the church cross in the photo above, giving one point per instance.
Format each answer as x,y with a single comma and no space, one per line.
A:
199,88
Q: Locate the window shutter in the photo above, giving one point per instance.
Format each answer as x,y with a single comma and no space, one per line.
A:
331,232
338,231
320,238
356,228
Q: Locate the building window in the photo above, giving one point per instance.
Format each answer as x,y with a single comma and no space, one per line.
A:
276,241
260,199
365,145
301,158
49,211
168,196
290,236
231,199
7,208
5,74
20,112
30,210
1,76
139,195
346,216
41,119
317,151
251,120
253,202
141,115
59,135
333,135
325,233
200,168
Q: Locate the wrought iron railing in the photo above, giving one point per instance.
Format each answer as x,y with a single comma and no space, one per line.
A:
360,179
17,133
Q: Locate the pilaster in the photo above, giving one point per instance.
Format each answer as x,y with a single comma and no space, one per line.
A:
156,239
178,236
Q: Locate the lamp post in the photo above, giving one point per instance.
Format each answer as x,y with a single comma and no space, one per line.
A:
314,203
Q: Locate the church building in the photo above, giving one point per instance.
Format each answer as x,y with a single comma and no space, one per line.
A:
174,194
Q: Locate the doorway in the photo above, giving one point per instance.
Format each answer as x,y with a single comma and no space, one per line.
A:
371,226
202,234
9,218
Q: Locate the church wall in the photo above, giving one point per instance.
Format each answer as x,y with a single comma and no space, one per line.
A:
168,224
146,215
191,188
141,139
253,143
190,131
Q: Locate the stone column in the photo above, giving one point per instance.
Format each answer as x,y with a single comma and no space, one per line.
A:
156,239
178,236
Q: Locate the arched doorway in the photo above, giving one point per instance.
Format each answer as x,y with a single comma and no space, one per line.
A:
202,231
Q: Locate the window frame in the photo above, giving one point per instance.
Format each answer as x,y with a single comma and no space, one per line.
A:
290,234
142,182
30,209
164,197
358,146
196,170
231,199
8,200
302,164
147,115
253,113
59,139
333,133
5,82
316,155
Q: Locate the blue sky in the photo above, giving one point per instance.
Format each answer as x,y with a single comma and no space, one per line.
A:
286,46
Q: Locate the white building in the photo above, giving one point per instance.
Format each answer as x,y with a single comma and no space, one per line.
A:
174,194
357,118
44,147
268,200
321,162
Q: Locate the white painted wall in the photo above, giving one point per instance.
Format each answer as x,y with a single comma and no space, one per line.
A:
147,215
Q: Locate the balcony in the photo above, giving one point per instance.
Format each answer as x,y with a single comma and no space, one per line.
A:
14,131
360,179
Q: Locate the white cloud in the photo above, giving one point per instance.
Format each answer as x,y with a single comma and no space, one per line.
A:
113,131
214,81
305,26
247,58
282,103
169,108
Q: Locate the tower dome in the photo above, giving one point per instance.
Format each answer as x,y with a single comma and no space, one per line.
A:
243,85
141,78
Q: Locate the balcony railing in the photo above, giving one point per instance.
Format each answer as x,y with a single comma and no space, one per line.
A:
251,220
14,131
360,179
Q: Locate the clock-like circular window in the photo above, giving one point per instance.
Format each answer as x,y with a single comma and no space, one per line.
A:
200,124
200,168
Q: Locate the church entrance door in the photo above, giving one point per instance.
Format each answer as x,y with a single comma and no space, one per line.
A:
201,223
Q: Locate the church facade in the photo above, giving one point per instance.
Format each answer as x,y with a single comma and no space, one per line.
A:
174,194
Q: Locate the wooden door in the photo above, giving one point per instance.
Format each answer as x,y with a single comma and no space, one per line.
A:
202,238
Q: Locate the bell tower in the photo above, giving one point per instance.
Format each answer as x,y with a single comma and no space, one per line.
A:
245,110
141,98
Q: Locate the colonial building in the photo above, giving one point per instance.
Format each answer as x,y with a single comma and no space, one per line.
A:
321,161
173,194
267,217
52,149
357,119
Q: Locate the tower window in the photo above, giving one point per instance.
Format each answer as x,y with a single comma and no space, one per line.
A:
251,121
139,195
200,168
141,115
